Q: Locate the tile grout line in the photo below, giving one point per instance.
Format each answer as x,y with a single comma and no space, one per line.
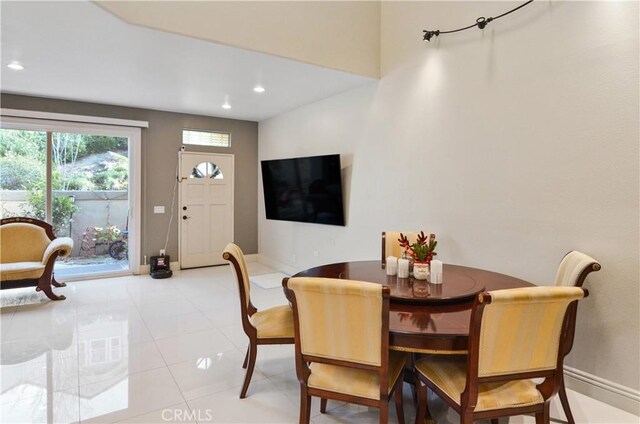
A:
172,377
78,357
155,343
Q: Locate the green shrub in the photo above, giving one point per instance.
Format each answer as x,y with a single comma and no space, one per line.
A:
63,207
23,143
115,178
19,172
99,144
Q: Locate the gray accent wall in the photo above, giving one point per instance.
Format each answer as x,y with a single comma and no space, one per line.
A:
160,145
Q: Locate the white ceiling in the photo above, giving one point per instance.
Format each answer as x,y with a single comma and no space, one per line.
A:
78,51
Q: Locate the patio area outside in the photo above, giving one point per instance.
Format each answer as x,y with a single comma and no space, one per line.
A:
98,228
89,196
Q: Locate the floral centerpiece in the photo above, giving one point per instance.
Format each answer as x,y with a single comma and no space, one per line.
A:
423,250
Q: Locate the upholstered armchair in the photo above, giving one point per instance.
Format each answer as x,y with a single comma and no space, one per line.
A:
342,344
515,336
269,326
28,251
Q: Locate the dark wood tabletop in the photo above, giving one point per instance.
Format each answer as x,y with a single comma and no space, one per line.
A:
438,322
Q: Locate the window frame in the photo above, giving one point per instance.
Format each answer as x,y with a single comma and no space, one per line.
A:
134,133
227,133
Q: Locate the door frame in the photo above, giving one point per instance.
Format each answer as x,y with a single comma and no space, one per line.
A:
134,134
181,178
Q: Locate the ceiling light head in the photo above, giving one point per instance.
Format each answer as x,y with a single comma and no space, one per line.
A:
16,66
259,89
226,106
428,35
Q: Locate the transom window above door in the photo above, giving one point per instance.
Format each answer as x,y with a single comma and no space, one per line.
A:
206,138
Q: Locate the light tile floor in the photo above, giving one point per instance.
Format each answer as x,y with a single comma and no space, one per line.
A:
138,350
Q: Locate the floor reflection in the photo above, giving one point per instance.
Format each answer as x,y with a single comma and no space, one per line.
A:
47,353
134,349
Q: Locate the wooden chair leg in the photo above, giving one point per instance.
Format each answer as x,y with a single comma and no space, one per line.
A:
44,282
323,405
466,417
305,406
543,417
565,403
384,412
246,357
399,403
423,415
252,352
51,295
494,421
56,283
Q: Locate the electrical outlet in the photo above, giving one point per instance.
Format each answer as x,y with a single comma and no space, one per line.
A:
293,258
162,252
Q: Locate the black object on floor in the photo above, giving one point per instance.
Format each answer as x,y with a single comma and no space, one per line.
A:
160,267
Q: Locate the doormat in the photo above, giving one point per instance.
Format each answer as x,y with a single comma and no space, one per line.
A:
268,281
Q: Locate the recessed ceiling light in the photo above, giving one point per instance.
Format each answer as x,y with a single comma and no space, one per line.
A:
15,66
258,89
226,106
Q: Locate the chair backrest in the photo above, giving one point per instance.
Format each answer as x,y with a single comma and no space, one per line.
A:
24,239
233,254
391,243
518,331
574,268
341,320
572,272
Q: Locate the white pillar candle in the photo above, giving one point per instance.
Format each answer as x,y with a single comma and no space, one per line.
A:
392,265
436,272
403,268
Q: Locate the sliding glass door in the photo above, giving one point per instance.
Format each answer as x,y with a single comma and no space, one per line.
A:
23,170
79,181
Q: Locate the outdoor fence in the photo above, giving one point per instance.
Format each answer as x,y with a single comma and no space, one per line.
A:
98,208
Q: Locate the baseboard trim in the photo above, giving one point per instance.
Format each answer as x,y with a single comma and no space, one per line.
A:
254,257
609,392
146,269
279,266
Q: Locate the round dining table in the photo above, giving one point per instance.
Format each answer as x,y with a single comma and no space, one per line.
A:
435,320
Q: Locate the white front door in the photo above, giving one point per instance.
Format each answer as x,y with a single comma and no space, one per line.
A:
206,208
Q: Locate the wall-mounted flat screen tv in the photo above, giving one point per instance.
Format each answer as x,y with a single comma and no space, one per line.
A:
305,189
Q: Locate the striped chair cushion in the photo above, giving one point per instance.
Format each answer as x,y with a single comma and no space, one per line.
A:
528,321
449,374
571,267
274,322
235,251
354,307
353,381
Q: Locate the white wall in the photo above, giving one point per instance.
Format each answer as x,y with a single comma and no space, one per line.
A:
514,145
342,35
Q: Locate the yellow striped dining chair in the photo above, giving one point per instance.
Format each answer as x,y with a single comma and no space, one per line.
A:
573,270
515,336
342,344
269,326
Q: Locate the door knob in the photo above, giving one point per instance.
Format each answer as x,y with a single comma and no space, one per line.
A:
184,208
185,217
